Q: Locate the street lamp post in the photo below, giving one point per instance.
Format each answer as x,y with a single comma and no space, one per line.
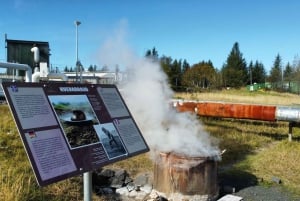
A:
77,23
87,176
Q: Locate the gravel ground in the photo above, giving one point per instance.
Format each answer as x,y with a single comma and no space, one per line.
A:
261,193
246,185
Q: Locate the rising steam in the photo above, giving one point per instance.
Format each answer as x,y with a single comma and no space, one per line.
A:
148,96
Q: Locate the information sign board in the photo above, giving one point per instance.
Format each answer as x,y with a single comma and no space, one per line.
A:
69,129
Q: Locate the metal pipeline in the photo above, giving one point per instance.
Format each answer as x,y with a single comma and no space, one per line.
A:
286,113
58,76
241,111
238,111
50,76
27,68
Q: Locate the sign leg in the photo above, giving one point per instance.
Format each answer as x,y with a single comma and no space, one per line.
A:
87,186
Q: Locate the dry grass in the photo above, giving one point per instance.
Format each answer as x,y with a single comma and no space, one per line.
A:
281,160
17,181
135,165
242,137
255,147
260,148
243,96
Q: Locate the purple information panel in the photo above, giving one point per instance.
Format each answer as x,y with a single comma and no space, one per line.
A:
69,129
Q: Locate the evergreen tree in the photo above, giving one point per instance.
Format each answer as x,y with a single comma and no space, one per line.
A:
91,69
296,68
276,72
176,73
258,73
66,69
234,71
185,66
288,73
250,67
166,63
152,54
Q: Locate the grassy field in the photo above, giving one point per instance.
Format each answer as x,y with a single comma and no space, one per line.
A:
243,96
255,148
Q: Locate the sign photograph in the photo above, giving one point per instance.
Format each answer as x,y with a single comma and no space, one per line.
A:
69,129
77,119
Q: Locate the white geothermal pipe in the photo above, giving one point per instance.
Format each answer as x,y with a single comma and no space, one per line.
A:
55,76
59,76
36,54
27,68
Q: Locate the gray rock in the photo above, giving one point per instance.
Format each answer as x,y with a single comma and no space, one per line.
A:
143,179
118,180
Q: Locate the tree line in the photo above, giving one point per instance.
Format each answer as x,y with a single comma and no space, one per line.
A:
235,72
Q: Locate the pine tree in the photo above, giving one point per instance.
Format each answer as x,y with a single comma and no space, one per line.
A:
258,73
66,69
91,69
152,54
276,72
250,67
185,66
234,72
288,73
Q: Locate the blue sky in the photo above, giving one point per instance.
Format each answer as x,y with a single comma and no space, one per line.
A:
194,30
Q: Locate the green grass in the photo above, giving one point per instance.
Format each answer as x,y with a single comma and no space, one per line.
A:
281,160
255,148
17,180
258,148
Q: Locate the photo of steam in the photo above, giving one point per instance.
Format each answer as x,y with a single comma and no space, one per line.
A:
77,119
110,140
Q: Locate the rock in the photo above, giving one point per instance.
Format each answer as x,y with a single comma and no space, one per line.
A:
107,173
104,191
128,180
118,180
156,196
108,181
228,189
146,188
102,177
130,186
276,180
123,191
137,195
230,197
143,179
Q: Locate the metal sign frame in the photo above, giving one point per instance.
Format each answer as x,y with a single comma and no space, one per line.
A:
70,129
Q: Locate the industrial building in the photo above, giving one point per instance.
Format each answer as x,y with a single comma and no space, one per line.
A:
29,61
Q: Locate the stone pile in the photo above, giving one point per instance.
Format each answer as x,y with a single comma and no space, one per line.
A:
118,185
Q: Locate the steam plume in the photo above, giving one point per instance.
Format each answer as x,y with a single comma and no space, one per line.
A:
148,95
